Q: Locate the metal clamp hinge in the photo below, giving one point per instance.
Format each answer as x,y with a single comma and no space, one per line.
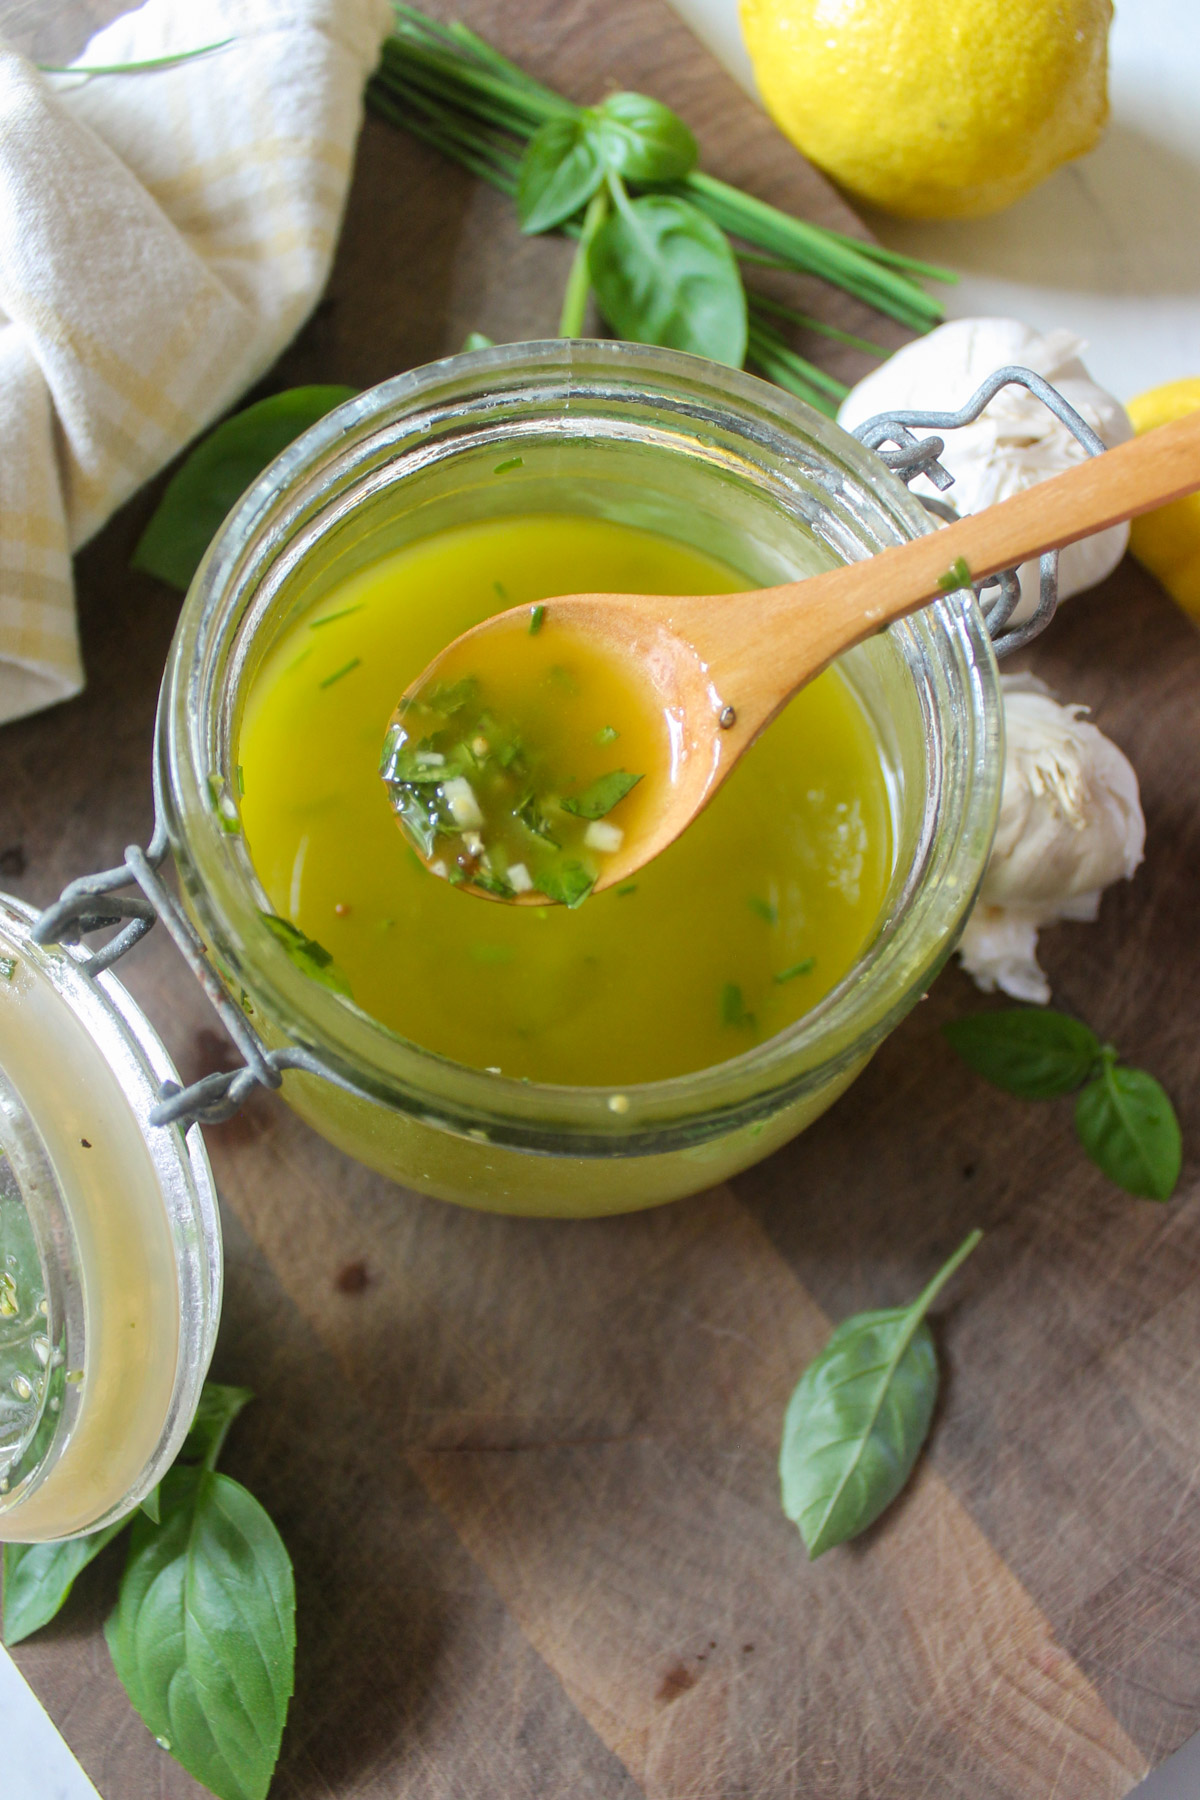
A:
95,903
911,456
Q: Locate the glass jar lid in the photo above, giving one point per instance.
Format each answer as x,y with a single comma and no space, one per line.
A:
110,1247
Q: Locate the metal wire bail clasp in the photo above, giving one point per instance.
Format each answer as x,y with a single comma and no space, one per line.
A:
95,903
910,457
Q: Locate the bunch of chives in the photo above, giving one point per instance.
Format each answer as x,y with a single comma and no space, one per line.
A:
449,87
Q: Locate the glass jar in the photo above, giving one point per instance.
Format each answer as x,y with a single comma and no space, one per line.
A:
648,437
110,1248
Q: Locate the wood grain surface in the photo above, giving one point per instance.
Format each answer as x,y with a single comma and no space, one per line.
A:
527,1469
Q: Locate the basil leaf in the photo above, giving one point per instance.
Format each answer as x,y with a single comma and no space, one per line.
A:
39,1577
219,1406
311,958
858,1417
560,171
203,1635
602,796
569,883
1128,1126
1031,1051
152,1504
664,274
218,472
642,139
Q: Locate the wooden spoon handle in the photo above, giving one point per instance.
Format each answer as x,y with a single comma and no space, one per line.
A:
808,623
1148,471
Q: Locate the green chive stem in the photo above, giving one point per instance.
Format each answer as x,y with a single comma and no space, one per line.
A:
459,94
764,303
338,673
134,68
579,281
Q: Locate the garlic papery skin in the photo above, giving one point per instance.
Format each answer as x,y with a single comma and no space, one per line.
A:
1070,825
1016,441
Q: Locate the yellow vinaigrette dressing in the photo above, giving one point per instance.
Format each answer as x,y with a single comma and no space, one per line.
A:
735,931
502,763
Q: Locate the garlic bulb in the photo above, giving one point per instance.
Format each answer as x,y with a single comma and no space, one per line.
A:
1016,441
1070,824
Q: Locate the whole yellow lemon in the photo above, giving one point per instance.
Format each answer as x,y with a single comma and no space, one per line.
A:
934,109
1167,541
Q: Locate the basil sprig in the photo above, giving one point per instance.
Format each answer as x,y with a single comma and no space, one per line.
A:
203,1635
662,271
567,158
215,474
858,1417
1123,1118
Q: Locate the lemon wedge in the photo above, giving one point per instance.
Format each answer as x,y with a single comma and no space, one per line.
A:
1167,541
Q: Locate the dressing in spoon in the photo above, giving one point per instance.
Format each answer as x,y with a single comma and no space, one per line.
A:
553,750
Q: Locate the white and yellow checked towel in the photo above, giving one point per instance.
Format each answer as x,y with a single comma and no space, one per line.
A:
162,237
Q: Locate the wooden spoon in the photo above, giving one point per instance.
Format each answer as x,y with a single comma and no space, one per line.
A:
723,665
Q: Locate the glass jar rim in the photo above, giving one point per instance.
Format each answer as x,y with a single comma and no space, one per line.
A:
364,1056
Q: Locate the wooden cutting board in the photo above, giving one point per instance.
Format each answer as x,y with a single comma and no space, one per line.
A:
527,1470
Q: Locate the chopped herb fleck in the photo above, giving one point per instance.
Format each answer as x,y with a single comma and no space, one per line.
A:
8,967
804,967
338,673
630,887
328,619
420,818
733,1008
607,734
417,763
958,575
451,696
511,462
500,590
537,616
310,958
570,884
223,806
534,819
600,798
241,781
763,909
494,884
